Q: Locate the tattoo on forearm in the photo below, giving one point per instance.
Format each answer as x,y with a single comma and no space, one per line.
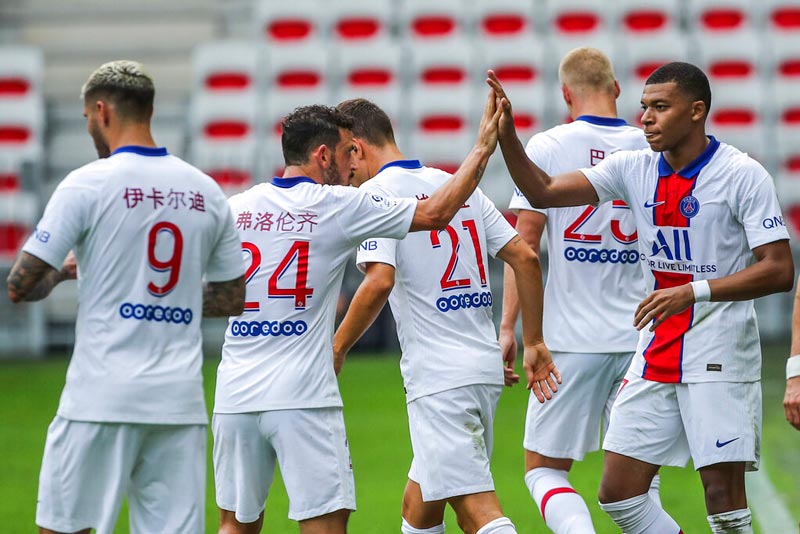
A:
223,299
31,279
479,173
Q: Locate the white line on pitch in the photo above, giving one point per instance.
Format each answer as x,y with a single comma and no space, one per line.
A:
768,508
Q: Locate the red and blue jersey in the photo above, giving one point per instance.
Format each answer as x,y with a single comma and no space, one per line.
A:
697,223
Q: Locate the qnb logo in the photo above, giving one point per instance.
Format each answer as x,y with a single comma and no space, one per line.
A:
673,245
603,255
368,245
268,328
159,314
773,222
464,301
41,235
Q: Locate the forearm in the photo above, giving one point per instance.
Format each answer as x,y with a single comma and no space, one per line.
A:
762,278
31,279
532,181
224,299
436,212
796,324
367,303
508,321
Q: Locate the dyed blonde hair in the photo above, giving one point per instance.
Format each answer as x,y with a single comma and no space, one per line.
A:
587,69
126,84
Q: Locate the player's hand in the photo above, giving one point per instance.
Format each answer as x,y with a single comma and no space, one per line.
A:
505,126
791,402
69,270
487,131
508,346
662,304
542,375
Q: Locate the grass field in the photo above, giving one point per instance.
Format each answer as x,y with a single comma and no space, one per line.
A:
377,430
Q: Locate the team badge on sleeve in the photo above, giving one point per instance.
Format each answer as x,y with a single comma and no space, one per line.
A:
381,202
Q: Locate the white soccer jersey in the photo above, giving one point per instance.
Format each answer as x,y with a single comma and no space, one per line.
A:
144,226
296,237
696,224
442,300
593,260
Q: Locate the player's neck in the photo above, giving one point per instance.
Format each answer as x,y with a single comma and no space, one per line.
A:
294,171
136,134
688,150
599,107
385,154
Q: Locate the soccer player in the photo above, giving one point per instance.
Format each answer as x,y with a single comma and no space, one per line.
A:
711,239
277,397
593,259
145,228
452,367
791,400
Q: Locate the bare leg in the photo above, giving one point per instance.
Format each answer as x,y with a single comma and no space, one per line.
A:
48,531
418,513
624,477
229,525
475,510
332,523
724,487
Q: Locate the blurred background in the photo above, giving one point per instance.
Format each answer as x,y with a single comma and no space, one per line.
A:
226,72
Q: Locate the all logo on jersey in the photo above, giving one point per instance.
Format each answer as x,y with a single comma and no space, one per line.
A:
689,206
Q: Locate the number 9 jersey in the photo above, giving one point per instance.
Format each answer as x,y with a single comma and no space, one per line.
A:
145,227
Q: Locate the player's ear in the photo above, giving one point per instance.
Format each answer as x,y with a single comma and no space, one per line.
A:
616,89
358,148
321,155
565,93
103,111
699,111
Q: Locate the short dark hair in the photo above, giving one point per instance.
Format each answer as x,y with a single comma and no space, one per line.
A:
370,122
308,127
127,85
689,78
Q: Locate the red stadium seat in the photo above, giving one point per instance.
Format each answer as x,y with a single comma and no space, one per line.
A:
291,22
227,66
730,57
440,132
639,54
374,76
21,71
448,64
504,19
737,118
425,20
578,18
361,22
18,214
644,17
720,16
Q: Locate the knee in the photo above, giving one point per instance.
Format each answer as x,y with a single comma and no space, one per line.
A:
608,493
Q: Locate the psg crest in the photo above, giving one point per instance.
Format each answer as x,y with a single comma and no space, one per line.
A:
689,206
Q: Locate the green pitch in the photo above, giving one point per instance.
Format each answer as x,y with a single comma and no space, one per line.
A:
377,429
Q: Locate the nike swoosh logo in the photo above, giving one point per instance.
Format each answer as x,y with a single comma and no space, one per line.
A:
723,443
653,204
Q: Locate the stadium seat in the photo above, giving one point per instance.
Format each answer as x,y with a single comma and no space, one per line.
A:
21,71
504,19
224,133
786,99
292,22
22,126
10,173
301,68
227,66
520,64
729,57
638,55
376,71
736,118
425,20
361,22
18,216
451,63
720,16
784,55
579,18
440,133
645,17
781,15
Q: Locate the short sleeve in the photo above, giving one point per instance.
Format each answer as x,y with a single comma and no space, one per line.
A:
63,225
378,250
760,213
498,230
369,212
226,261
538,151
607,177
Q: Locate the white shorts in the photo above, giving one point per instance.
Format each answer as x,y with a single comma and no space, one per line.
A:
666,424
310,447
569,424
88,467
451,436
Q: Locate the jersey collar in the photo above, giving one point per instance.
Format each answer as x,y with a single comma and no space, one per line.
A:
403,164
286,183
694,168
142,150
602,121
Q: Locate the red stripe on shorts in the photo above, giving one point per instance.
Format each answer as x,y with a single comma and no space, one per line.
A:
552,493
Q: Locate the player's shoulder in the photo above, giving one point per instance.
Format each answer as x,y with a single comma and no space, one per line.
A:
731,159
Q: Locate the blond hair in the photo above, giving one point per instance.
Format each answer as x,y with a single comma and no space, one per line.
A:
126,84
587,69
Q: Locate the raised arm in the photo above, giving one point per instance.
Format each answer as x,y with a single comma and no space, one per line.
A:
436,212
541,189
773,272
367,303
791,400
542,375
224,299
32,279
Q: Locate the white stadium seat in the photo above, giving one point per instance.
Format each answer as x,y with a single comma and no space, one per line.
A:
228,66
291,22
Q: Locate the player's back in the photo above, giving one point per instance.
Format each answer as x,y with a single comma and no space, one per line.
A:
593,256
296,236
442,298
146,225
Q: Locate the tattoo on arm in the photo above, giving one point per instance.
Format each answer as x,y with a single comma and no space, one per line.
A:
224,299
479,173
31,279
